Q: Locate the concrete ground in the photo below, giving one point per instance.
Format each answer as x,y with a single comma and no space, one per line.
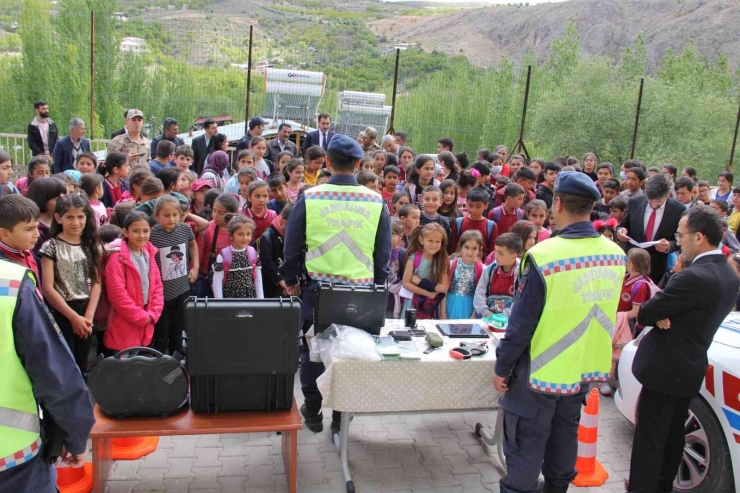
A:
412,453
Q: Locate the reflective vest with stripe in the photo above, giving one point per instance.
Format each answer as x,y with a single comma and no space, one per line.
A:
341,222
19,419
573,340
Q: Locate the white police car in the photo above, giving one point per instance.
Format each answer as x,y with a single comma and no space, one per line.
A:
711,459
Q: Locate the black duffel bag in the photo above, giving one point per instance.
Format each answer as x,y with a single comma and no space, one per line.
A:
140,381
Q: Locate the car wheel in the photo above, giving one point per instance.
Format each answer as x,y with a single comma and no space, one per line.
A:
705,465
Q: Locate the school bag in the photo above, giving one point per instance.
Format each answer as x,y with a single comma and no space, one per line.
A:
100,318
227,257
478,270
426,308
489,229
498,210
652,287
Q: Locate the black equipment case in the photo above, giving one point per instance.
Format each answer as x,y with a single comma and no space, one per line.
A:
359,307
242,354
139,381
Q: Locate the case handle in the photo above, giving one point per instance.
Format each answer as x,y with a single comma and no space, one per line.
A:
136,351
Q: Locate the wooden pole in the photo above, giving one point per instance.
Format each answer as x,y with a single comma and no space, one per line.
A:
392,130
637,119
734,140
249,80
92,75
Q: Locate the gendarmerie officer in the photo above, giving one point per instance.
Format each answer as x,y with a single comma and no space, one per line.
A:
559,339
346,231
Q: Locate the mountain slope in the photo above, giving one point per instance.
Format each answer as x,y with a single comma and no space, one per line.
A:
605,27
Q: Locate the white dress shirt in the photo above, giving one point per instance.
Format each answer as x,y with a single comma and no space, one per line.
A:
658,217
711,252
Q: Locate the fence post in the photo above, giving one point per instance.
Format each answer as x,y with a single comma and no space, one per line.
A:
249,80
637,120
92,74
734,140
391,130
519,146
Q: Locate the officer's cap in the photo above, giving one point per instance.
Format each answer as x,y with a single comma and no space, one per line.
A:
576,183
342,145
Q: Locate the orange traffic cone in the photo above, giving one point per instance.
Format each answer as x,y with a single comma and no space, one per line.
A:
75,479
590,471
133,448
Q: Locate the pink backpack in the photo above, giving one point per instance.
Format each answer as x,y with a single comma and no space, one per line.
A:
226,256
478,270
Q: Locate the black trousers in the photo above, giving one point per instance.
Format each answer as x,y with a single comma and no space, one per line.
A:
659,442
169,327
34,476
79,347
310,371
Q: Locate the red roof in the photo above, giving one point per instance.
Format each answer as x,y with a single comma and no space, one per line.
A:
217,119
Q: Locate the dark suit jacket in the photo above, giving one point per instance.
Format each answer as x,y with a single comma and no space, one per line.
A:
35,143
313,139
634,221
200,150
63,158
696,300
273,149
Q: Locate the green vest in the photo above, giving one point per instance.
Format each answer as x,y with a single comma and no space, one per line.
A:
341,222
573,340
19,418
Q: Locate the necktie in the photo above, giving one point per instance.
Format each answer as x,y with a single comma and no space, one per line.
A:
324,143
650,226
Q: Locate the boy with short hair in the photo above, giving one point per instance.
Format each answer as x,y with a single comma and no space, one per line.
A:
682,190
546,189
515,164
151,189
617,207
510,211
609,191
703,193
495,290
170,178
368,180
278,192
410,217
391,174
724,186
165,153
635,180
183,157
721,206
604,171
270,249
431,200
19,231
525,178
476,220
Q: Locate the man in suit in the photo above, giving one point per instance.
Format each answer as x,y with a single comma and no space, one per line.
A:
671,360
68,148
320,137
122,131
200,145
170,128
42,131
256,129
653,216
281,143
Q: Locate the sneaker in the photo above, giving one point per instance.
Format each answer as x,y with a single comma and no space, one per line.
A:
606,390
314,422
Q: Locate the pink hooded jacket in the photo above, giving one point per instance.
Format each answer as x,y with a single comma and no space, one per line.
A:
127,318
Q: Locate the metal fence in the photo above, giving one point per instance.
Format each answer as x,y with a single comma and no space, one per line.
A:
192,66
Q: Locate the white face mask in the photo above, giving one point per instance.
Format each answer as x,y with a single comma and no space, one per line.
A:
623,175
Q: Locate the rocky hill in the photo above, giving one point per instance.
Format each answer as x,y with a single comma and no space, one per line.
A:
486,35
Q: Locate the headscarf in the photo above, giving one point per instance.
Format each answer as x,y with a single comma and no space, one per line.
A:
217,163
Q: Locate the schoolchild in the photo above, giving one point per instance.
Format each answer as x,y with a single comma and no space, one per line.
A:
400,198
93,186
431,201
396,262
245,159
390,182
214,239
465,271
495,290
315,160
45,192
135,179
537,213
278,192
87,162
609,190
293,172
259,195
448,208
19,231
423,177
244,178
410,217
510,212
115,170
38,167
477,201
427,271
237,272
270,249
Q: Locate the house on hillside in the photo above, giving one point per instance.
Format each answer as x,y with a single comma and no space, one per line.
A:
119,16
133,45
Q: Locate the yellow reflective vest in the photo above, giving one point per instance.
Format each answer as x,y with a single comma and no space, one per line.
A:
573,340
20,438
341,224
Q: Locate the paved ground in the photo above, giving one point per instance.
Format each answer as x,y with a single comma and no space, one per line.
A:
420,453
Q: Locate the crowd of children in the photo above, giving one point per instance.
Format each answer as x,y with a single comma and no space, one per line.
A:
117,251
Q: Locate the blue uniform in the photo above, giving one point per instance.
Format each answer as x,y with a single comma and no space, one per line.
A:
291,269
540,430
57,385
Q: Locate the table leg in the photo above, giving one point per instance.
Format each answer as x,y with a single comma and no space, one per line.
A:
343,440
102,453
289,448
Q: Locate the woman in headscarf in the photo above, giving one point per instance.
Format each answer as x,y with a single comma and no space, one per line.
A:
214,170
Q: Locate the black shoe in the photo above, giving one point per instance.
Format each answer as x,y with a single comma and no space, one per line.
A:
314,422
336,426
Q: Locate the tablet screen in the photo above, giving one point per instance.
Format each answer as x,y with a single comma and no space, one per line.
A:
463,330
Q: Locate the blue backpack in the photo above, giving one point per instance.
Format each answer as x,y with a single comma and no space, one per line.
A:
489,229
497,214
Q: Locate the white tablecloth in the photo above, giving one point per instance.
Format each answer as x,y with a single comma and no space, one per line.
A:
437,382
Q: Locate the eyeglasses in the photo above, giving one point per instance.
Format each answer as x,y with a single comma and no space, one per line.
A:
678,235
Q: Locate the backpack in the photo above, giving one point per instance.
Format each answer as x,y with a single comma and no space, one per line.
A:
226,256
497,214
478,270
652,287
489,229
100,319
